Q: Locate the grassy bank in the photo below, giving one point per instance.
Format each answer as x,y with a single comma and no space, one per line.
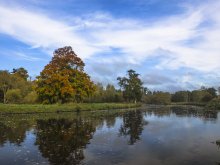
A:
190,103
39,108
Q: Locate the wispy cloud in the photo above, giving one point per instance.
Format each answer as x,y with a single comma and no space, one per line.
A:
187,40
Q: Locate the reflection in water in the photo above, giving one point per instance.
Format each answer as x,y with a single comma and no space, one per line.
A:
62,140
218,143
172,135
132,125
182,111
14,133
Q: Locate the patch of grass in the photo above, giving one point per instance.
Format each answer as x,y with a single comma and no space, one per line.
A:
189,103
56,108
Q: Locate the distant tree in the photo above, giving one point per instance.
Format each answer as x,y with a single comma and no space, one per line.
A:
105,94
64,79
159,97
201,96
21,72
181,96
212,91
131,86
218,91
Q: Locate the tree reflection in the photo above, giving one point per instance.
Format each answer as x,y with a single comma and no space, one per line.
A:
62,140
15,132
132,125
218,143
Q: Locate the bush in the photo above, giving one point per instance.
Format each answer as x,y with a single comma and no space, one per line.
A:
214,103
13,96
31,98
158,98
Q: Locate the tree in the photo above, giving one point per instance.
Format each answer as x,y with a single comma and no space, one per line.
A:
13,96
5,83
159,98
181,96
212,91
218,91
131,86
21,72
64,79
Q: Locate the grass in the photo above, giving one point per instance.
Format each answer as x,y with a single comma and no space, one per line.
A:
56,108
189,103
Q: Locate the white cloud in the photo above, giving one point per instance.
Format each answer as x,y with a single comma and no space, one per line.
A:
137,39
38,30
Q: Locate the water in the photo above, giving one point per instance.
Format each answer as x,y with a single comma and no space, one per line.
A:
149,136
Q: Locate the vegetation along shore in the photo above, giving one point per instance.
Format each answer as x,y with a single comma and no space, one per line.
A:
63,85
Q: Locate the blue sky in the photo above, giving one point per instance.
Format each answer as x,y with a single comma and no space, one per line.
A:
173,44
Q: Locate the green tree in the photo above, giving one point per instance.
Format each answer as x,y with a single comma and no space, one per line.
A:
218,91
63,79
132,86
212,91
13,96
159,98
201,96
6,83
21,72
181,96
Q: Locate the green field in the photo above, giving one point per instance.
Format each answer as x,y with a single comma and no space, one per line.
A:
75,107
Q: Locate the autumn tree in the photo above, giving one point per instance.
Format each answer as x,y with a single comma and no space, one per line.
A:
64,79
131,86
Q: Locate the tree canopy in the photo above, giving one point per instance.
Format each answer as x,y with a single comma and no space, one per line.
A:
131,86
64,79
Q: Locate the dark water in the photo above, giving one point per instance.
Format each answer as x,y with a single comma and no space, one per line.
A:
149,136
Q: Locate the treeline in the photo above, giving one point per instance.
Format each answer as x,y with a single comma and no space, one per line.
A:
203,95
16,87
64,80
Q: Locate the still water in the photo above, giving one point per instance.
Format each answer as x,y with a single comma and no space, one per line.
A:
157,136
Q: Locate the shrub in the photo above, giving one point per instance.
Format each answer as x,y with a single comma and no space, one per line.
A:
31,98
214,103
13,96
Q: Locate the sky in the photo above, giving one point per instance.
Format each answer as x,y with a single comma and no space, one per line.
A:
173,44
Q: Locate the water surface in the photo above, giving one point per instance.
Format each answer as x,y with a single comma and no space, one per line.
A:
148,136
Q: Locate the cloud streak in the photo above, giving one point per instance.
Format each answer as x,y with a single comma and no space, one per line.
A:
188,40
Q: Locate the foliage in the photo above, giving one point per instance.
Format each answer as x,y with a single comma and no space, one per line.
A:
214,104
108,94
63,79
15,82
202,95
159,98
181,96
21,72
6,83
132,86
31,98
13,96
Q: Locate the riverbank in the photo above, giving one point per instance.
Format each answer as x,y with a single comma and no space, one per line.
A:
202,104
57,108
